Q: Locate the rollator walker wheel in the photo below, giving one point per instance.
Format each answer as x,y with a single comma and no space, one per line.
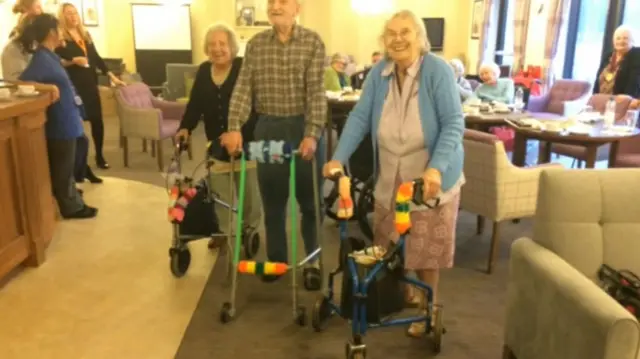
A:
226,313
355,351
251,244
312,278
321,314
180,259
438,330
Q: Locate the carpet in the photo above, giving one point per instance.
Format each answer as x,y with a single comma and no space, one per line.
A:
474,312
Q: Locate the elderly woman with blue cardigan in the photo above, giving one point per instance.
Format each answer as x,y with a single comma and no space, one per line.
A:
411,106
494,88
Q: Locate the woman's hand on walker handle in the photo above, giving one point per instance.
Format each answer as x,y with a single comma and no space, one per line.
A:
331,168
432,183
232,141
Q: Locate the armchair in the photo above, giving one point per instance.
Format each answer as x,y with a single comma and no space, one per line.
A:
143,116
555,309
179,81
495,188
579,153
565,98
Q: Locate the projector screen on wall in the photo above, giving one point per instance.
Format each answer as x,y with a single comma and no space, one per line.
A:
161,27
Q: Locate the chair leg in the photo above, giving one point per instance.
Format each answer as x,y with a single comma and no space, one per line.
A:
144,145
125,151
153,148
157,148
495,241
507,353
479,225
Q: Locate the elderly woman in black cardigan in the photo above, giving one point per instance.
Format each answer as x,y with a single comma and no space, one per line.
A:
209,102
619,72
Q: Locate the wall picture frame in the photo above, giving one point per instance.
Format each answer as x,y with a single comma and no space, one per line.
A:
90,14
477,19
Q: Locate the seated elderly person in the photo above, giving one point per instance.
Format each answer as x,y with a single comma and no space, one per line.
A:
464,87
334,77
494,88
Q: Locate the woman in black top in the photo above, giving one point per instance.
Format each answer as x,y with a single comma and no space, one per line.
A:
81,60
619,72
209,101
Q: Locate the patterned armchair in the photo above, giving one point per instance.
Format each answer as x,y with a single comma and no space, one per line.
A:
495,188
555,306
566,98
579,153
145,117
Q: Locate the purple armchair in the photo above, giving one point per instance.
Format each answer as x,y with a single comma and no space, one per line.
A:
145,117
579,153
566,98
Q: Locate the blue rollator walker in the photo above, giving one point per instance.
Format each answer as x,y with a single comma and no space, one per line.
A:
276,153
372,285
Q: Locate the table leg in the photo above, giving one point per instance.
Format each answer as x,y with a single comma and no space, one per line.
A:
592,155
613,153
519,150
544,152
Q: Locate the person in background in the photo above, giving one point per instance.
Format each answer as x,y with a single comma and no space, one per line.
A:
14,59
464,87
494,88
209,102
291,107
357,79
81,59
411,107
63,127
334,77
619,72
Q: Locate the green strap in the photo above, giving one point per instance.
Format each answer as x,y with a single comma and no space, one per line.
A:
240,208
294,210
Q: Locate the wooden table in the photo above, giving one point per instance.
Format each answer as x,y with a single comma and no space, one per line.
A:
482,121
336,107
28,214
591,141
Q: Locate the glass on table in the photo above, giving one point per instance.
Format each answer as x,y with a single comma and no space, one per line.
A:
630,119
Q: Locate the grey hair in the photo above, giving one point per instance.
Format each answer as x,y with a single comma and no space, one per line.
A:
628,30
421,30
491,66
338,57
234,47
457,65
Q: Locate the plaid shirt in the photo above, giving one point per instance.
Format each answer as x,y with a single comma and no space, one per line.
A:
282,79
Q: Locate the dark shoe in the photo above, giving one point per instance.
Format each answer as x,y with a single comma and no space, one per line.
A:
84,213
102,163
92,176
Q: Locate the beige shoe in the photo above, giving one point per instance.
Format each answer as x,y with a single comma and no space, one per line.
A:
418,329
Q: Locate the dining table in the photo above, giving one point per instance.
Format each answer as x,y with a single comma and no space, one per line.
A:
338,109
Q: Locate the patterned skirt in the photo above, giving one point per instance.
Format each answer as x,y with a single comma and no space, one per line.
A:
431,242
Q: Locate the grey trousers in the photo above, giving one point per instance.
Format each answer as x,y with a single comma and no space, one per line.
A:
62,158
273,180
252,204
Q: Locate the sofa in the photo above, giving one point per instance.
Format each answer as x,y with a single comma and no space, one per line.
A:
555,307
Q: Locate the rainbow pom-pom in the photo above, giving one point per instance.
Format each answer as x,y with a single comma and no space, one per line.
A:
403,215
262,268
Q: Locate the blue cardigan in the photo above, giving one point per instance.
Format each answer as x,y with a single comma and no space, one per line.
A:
503,91
440,111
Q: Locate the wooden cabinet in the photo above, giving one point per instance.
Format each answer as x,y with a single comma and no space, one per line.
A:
27,210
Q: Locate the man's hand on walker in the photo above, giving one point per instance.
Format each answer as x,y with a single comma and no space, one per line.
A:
232,141
432,183
307,148
331,167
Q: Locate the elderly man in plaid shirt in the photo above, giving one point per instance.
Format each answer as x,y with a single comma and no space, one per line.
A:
282,76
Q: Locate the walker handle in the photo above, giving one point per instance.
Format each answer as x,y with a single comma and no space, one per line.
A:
418,195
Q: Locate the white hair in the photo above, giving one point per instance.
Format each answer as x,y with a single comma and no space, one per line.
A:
418,25
625,29
233,38
457,65
491,66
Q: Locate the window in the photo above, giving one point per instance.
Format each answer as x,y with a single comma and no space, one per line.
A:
504,36
631,11
586,35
